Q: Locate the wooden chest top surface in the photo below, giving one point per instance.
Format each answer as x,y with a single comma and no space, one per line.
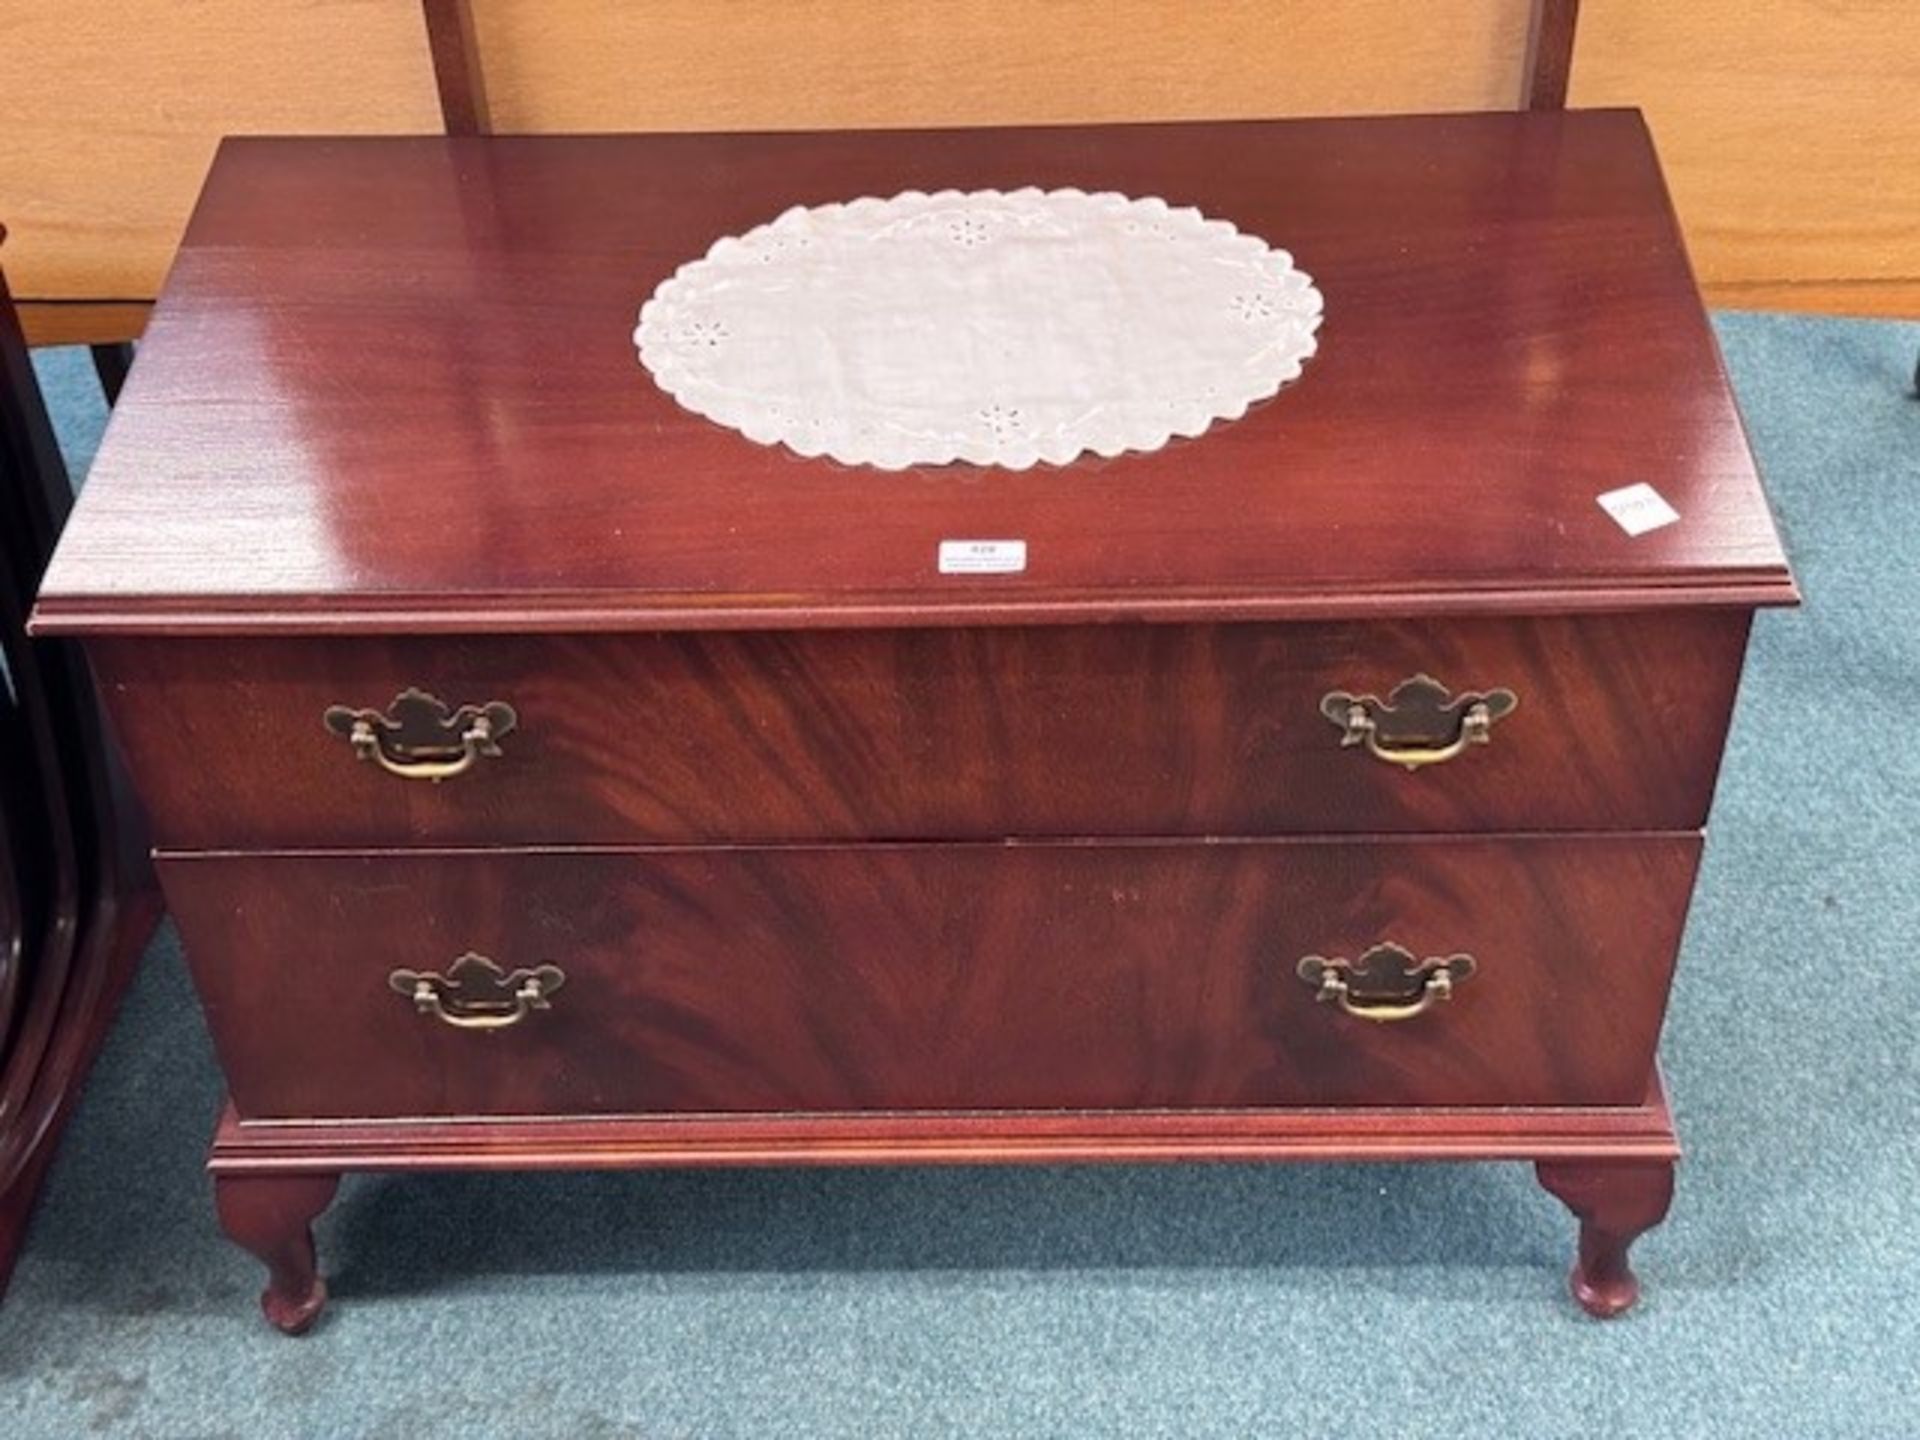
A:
391,385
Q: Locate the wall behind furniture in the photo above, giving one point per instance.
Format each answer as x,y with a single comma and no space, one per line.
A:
1786,127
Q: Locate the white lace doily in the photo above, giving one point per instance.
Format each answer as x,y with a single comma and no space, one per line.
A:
994,328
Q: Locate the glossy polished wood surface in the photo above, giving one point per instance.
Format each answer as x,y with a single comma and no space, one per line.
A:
984,977
1616,1201
1641,1131
392,386
930,734
736,835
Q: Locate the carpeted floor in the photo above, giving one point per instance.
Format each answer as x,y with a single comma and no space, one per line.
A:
1783,1296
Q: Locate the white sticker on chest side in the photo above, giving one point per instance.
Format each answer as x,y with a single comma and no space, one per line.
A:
1637,509
983,557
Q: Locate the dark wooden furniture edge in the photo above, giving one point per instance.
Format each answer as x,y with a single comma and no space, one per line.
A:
457,76
1746,570
77,894
114,952
1551,28
112,362
71,614
256,1147
1004,842
1613,1168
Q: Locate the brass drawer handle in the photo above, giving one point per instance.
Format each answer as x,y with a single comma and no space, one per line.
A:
419,737
476,994
1419,723
1386,983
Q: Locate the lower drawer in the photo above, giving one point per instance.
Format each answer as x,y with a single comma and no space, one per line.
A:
921,977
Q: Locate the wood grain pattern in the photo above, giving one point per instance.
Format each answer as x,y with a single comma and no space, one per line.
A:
925,734
1876,297
1788,139
104,141
1515,331
110,113
928,978
82,322
1785,122
469,473
595,65
1643,1131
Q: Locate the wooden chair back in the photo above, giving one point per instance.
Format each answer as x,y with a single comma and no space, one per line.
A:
458,77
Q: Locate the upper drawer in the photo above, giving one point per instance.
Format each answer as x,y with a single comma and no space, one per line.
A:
932,733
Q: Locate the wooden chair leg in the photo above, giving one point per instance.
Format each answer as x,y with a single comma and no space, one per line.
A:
272,1216
111,363
1616,1202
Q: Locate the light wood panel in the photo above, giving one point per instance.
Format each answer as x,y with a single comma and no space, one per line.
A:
1788,134
109,115
1786,126
559,65
82,322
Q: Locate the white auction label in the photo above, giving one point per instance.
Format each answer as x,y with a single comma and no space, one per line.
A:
1638,508
983,557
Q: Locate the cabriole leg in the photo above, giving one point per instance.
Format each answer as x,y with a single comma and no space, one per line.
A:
272,1216
1616,1202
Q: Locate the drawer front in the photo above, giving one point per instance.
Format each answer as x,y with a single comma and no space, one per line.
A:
932,734
932,978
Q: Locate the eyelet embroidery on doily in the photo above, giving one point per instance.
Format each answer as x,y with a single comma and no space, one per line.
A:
870,333
703,334
1003,421
968,231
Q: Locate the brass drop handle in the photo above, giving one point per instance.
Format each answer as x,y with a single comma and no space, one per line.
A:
1420,722
419,737
1474,726
476,994
476,740
1387,983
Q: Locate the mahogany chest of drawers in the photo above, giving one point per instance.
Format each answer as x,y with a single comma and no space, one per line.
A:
542,776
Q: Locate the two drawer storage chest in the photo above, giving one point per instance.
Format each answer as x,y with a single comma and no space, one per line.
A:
544,776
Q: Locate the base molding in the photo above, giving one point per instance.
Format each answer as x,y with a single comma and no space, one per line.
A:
1629,1132
1612,1165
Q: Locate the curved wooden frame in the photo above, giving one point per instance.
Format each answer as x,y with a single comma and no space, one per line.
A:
77,899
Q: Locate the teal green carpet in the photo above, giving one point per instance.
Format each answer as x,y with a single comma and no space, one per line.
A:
1783,1296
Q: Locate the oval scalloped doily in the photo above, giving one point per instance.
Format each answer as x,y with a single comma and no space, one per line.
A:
989,327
